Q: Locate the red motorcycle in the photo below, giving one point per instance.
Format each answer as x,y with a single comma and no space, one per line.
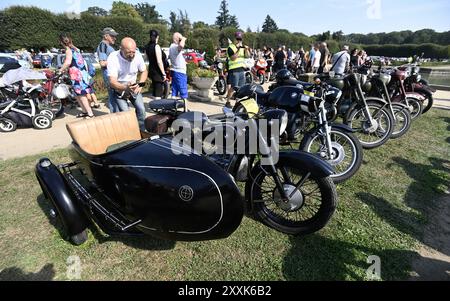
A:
259,71
399,94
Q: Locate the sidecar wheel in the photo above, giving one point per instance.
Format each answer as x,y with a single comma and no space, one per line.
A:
310,208
79,239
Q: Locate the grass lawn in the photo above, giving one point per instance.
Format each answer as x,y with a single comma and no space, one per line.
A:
382,212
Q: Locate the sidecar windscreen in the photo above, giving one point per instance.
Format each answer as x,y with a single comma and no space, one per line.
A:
99,135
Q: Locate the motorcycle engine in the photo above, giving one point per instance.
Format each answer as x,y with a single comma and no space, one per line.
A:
345,106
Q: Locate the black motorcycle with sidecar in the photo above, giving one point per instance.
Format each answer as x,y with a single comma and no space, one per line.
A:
132,183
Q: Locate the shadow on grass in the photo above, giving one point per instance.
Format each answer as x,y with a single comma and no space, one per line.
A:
47,273
447,119
421,196
139,241
317,258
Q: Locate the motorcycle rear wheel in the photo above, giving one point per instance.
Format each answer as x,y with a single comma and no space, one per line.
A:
310,208
403,121
221,86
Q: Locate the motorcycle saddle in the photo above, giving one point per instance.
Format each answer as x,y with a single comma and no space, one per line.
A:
166,105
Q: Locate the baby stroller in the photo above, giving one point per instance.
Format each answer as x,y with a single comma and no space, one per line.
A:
17,109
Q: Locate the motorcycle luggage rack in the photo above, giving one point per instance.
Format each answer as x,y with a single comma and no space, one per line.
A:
118,222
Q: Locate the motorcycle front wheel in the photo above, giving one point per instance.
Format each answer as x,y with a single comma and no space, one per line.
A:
221,86
402,121
312,200
415,107
347,153
371,135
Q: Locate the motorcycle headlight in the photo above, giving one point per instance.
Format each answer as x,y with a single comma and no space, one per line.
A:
220,65
418,78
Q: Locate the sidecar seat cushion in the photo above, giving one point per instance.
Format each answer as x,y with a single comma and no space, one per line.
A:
95,135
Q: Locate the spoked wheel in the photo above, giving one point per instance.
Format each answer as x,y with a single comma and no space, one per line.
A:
415,107
48,113
403,121
41,122
312,200
372,134
428,102
346,155
7,125
53,104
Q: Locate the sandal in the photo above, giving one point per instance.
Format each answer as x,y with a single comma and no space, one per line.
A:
89,117
82,115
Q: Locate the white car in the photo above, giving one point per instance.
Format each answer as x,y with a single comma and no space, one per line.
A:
22,63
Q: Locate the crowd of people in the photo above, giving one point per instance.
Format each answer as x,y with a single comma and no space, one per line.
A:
120,68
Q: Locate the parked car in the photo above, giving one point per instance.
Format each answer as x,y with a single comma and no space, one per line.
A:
7,57
58,60
193,57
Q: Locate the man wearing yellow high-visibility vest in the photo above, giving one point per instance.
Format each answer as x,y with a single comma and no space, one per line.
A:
237,53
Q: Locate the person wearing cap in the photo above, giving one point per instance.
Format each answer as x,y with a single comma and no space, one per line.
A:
237,53
104,49
341,61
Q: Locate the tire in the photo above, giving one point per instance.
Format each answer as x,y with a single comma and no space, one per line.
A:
429,102
80,238
248,78
371,139
7,125
262,79
53,104
278,218
416,107
348,152
48,113
41,122
403,121
221,86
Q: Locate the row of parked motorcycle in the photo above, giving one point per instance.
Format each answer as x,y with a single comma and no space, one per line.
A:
33,105
325,126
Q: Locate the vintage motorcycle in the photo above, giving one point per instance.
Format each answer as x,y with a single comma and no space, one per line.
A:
369,117
130,182
309,110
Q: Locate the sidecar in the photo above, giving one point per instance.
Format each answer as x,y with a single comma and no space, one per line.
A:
128,183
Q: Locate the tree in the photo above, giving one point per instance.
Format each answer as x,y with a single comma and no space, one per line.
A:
199,25
224,19
97,11
338,35
249,29
180,23
269,25
148,13
122,9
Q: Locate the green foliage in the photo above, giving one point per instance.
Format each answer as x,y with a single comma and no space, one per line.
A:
122,9
180,23
225,19
200,72
165,38
269,25
148,13
97,11
191,67
407,50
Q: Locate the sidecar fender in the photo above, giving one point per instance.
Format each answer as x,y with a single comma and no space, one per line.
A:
57,190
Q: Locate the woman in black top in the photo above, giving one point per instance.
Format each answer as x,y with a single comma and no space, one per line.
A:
157,64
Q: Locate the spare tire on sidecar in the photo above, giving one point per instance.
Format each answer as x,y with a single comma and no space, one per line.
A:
128,184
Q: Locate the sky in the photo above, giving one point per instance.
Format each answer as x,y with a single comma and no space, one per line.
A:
350,16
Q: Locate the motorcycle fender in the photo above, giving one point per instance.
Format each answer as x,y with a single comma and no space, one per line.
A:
425,90
57,190
401,105
251,106
342,127
415,95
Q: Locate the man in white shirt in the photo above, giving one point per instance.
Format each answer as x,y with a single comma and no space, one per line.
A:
341,61
317,57
179,68
123,68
